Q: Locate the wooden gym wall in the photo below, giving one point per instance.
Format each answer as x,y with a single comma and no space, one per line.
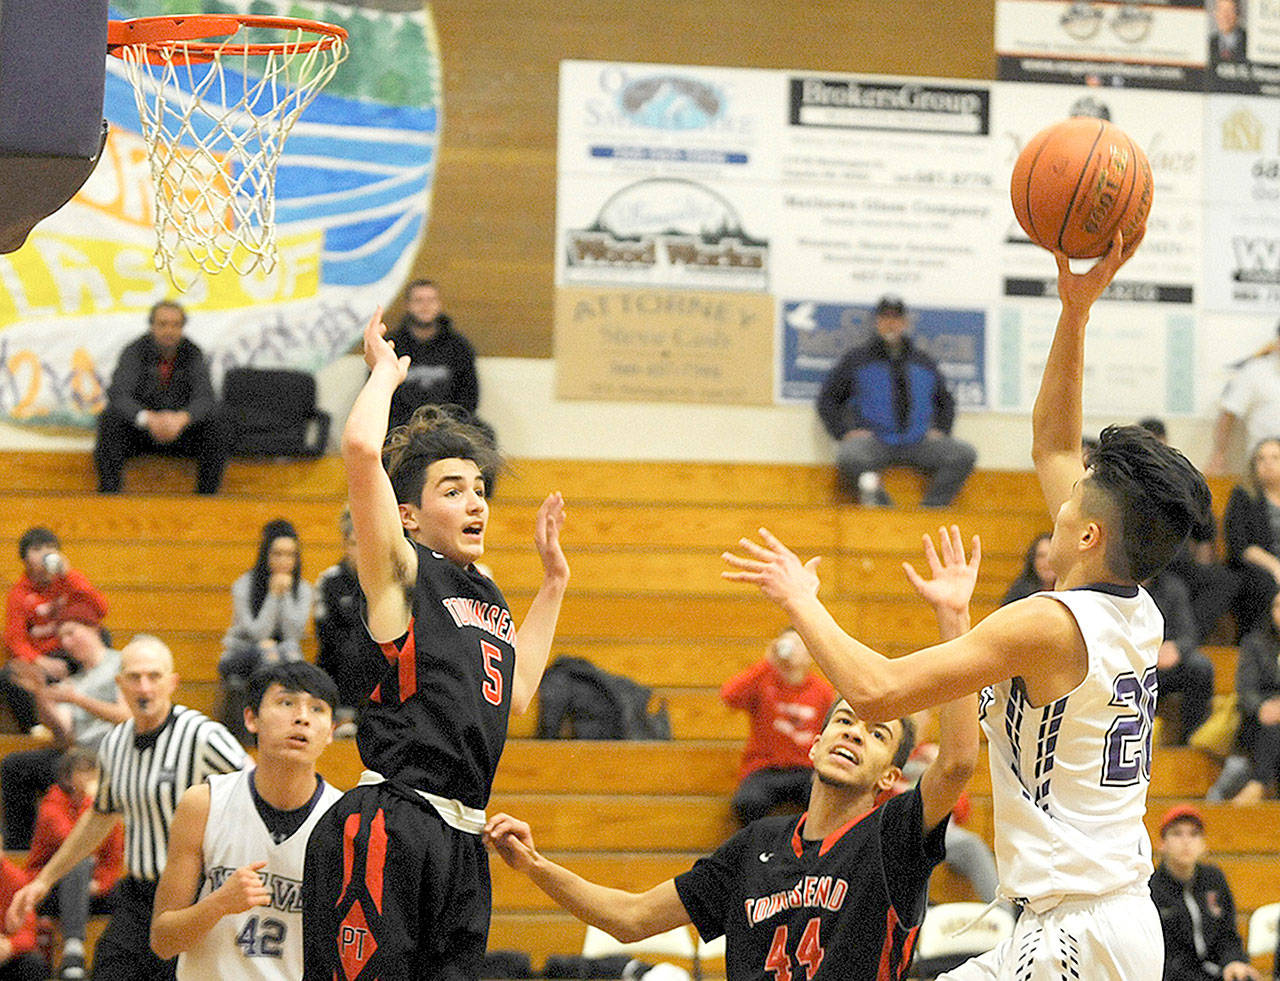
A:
491,232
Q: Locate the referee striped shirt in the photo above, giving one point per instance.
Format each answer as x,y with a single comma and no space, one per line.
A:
143,776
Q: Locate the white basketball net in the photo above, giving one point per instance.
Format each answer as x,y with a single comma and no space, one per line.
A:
214,141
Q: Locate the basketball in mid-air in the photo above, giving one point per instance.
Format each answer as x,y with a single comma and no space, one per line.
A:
1078,181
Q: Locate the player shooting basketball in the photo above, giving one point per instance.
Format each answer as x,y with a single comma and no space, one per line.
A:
1068,678
838,893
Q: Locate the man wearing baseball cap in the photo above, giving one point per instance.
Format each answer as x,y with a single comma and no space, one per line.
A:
886,402
1197,912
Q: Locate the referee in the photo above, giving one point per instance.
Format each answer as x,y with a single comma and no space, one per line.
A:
145,764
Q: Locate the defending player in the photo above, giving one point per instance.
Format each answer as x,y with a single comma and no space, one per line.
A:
1068,678
397,879
229,902
837,894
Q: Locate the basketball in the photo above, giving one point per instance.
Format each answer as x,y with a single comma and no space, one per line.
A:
1078,181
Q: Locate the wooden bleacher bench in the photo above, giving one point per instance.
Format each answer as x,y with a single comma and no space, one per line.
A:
646,601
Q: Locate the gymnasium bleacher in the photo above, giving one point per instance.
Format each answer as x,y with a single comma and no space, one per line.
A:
646,600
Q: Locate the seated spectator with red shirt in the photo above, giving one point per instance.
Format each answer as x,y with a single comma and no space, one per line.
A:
87,889
787,704
33,612
18,959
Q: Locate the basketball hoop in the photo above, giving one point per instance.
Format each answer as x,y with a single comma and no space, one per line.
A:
215,115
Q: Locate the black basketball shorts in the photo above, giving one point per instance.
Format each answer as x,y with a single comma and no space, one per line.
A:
392,893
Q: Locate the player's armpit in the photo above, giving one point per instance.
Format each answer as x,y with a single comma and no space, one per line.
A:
1035,639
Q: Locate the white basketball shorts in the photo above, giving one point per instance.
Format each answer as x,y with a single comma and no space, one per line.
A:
1116,937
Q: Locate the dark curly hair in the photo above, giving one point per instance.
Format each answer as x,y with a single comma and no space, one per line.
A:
434,433
1154,494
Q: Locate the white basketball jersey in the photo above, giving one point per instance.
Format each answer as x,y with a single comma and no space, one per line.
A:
263,943
1069,780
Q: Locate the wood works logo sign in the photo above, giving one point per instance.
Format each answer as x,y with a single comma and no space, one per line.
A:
667,231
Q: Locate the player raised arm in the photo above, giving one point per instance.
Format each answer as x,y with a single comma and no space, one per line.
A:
537,630
385,561
625,916
1057,419
178,922
878,688
948,591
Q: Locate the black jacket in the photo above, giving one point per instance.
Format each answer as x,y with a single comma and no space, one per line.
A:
137,384
1246,523
442,371
1209,890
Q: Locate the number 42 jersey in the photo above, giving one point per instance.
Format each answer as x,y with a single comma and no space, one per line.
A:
844,908
1069,779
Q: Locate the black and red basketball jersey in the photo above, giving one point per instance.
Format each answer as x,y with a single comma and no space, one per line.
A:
847,907
438,719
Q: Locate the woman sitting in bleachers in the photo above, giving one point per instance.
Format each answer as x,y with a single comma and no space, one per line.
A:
270,607
1258,696
1252,527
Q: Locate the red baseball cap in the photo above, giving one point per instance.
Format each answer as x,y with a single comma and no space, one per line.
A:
1181,812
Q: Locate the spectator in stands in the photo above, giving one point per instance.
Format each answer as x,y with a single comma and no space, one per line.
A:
161,400
18,958
1252,399
1181,667
1258,698
1197,912
442,363
1253,547
77,712
270,606
88,888
346,651
35,607
1213,587
787,704
886,402
1036,575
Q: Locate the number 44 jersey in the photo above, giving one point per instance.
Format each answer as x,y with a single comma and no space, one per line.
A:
842,908
263,943
1069,779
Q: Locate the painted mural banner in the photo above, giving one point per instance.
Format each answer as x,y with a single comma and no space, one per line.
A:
352,200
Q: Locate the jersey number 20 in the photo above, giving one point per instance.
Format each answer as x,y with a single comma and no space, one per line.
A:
1128,745
808,952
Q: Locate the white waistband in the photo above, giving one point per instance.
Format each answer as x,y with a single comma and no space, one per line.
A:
1067,902
454,813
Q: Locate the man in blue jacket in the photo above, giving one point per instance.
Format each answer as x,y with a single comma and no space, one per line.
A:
886,402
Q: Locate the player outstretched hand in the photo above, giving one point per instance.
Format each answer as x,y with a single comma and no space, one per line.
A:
773,567
952,578
546,538
1079,290
379,350
244,889
512,839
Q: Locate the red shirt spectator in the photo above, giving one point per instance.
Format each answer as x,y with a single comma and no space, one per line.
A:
36,601
56,817
23,941
786,702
